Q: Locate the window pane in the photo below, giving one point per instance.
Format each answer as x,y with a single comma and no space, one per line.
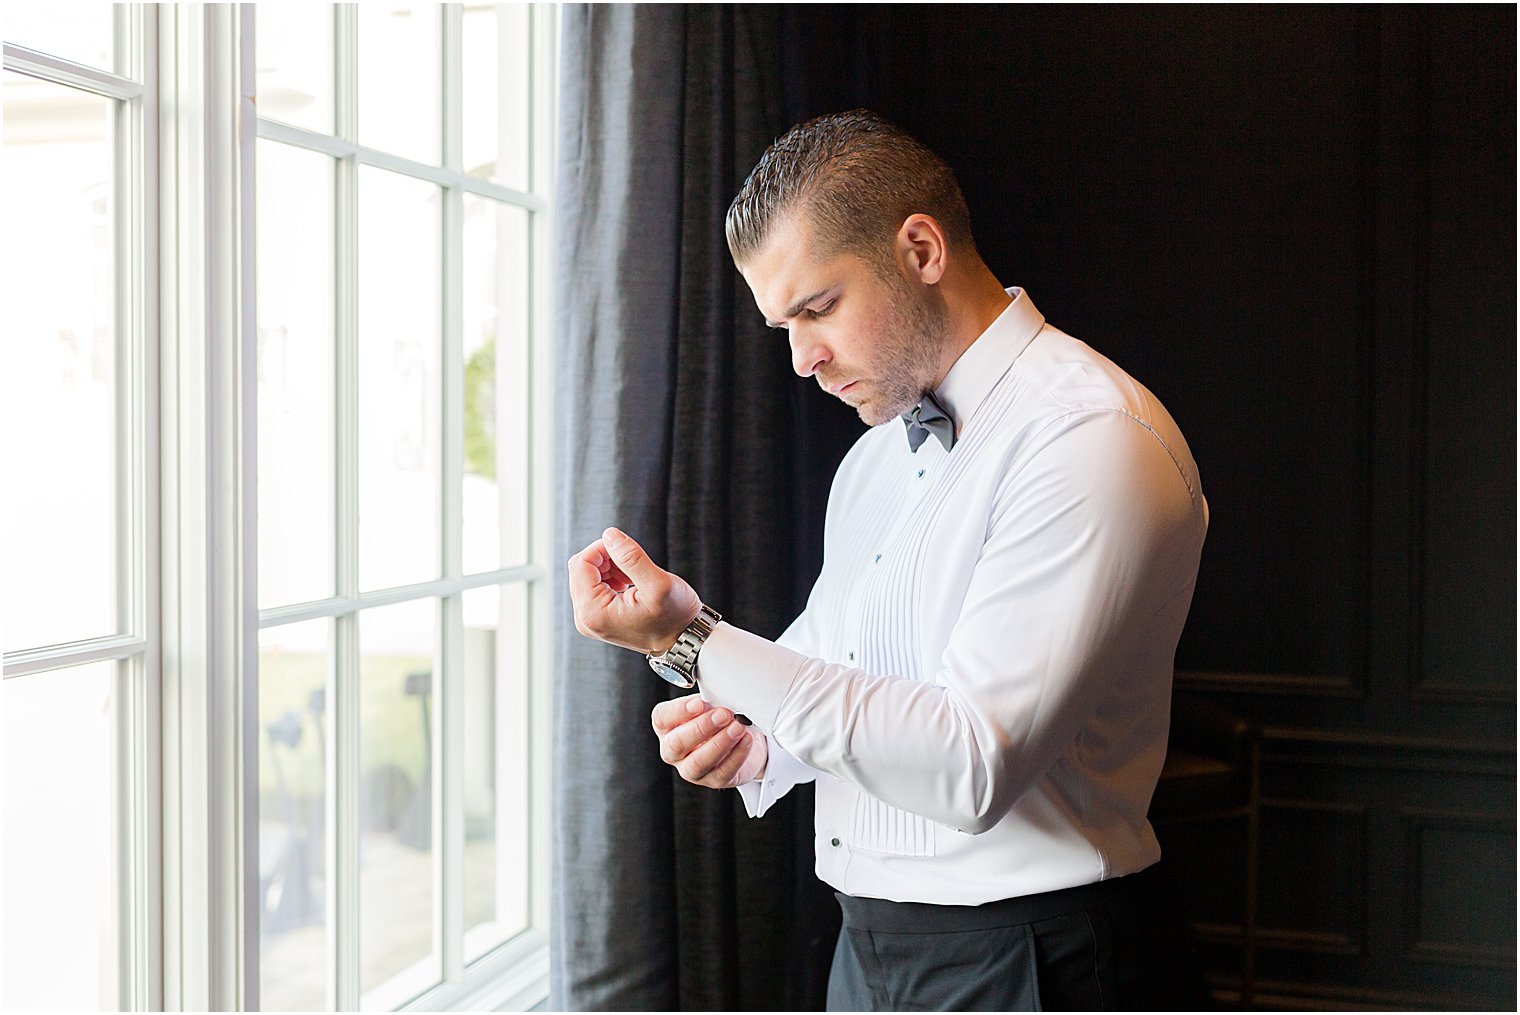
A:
81,31
398,79
399,411
295,64
497,92
58,394
296,390
496,385
294,661
60,940
495,766
397,648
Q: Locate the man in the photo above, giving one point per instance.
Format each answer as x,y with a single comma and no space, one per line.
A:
980,682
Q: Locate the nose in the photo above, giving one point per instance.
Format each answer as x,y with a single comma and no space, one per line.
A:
808,354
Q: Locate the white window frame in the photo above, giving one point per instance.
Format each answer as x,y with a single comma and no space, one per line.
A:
136,647
516,973
207,378
187,686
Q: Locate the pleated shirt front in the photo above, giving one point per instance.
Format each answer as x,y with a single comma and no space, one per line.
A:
980,683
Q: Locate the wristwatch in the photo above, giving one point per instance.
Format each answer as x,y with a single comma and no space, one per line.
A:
678,664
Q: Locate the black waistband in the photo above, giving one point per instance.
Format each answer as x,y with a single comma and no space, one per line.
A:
884,916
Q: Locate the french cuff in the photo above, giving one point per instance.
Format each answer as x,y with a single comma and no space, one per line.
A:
782,772
746,673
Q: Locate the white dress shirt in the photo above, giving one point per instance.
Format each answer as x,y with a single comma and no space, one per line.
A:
981,680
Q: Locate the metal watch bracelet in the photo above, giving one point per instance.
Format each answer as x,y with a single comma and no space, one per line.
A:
678,664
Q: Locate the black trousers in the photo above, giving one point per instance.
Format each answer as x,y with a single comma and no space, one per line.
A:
1115,945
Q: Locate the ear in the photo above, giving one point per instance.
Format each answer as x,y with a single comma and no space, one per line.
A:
923,248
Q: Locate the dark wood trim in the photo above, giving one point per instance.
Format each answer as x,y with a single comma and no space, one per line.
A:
1385,741
1368,56
1284,745
1314,940
1482,957
1462,694
1289,995
1295,684
1418,423
1291,939
1414,821
1333,686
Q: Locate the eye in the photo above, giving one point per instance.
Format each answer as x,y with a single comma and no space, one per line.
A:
825,310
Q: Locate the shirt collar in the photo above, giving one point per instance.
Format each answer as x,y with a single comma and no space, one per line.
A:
985,361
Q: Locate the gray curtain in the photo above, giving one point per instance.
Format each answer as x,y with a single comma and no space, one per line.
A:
675,416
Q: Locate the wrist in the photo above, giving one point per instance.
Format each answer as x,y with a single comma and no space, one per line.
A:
677,662
666,642
755,765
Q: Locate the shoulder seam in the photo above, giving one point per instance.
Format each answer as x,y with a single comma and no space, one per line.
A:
1126,414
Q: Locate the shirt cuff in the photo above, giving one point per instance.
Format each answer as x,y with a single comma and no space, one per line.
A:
746,673
782,772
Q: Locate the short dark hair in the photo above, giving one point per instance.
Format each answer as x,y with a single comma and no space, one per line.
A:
857,176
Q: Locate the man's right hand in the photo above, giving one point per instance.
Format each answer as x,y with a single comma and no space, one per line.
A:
708,745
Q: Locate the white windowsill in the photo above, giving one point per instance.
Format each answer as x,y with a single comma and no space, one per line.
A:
514,978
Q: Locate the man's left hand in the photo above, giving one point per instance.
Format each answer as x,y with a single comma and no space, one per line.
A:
623,598
708,746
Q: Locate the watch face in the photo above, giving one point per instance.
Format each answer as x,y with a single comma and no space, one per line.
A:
671,674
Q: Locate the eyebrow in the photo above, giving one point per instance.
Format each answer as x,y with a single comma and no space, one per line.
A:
796,308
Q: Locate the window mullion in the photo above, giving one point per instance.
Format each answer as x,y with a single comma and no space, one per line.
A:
337,147
66,72
451,84
239,523
448,860
448,795
210,617
545,56
127,409
140,772
342,883
130,588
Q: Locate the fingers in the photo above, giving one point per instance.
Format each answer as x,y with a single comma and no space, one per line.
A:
699,744
688,736
708,746
635,563
667,715
585,592
595,582
726,773
595,554
714,763
621,597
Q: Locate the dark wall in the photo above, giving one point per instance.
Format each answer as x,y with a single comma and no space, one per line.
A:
1297,227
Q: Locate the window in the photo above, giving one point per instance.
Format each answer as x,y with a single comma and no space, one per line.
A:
78,409
283,383
401,204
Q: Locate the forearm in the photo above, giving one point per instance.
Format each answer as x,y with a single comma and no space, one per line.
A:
1077,597
913,744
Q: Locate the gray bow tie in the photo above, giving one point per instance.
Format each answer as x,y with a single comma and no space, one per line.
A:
927,417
